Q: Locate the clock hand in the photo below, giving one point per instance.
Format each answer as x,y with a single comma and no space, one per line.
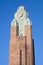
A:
21,15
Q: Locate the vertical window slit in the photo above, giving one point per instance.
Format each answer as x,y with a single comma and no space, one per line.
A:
20,57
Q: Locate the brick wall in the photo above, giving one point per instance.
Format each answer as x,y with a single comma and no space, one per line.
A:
21,48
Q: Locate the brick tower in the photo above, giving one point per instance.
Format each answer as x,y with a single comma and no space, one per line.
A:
21,43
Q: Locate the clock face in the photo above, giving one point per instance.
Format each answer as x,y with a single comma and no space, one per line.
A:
21,15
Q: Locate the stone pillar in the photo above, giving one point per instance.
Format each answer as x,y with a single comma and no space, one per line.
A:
28,33
14,54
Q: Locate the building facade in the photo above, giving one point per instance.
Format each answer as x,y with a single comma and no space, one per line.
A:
21,42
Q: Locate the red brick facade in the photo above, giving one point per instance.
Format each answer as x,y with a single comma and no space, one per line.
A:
21,47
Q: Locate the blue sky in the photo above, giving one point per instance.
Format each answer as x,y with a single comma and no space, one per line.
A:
7,10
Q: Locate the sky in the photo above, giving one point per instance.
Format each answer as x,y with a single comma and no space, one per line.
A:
7,10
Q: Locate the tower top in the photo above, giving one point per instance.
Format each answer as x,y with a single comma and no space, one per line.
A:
21,15
21,19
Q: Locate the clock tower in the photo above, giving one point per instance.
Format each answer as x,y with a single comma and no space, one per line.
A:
21,50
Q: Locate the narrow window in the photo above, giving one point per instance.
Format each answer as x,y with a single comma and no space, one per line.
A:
17,28
20,57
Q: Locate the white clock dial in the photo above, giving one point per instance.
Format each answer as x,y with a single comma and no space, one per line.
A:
20,15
